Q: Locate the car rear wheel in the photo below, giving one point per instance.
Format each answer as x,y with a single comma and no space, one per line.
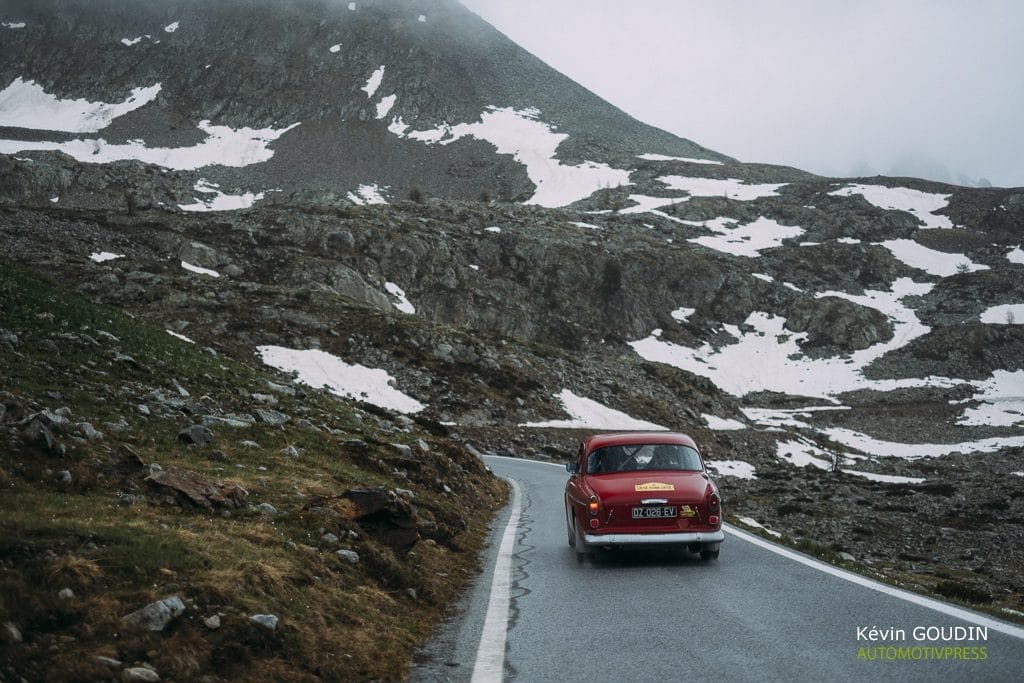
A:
570,528
576,541
709,555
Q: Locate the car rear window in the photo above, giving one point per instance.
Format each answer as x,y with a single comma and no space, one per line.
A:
637,457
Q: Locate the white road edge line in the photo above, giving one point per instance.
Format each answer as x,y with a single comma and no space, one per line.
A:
949,610
490,655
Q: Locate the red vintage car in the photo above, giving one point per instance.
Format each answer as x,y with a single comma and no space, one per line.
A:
643,489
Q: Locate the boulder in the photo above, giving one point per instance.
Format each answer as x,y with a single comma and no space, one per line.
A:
196,434
386,516
156,615
195,489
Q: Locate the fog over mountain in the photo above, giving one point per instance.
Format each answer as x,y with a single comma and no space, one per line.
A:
906,88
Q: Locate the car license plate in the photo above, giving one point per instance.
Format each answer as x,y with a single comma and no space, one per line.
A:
654,511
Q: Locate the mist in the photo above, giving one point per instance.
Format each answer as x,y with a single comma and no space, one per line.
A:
923,88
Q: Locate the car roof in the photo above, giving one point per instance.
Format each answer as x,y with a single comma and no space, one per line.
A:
632,438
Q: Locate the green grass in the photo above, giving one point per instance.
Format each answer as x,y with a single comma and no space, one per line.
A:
118,545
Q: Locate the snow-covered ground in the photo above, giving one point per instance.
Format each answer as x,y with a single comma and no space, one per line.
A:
589,414
401,302
749,239
531,142
199,270
1005,314
922,204
24,104
732,468
933,262
368,194
663,157
101,256
223,146
715,187
908,451
321,369
220,201
1002,401
722,424
768,358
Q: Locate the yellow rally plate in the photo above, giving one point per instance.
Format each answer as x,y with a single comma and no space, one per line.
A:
654,486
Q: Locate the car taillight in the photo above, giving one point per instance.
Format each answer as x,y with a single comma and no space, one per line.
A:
713,501
593,505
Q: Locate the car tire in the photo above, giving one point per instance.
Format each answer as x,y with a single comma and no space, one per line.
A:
707,555
570,528
578,544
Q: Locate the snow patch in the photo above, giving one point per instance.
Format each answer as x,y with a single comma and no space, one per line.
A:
587,414
403,303
171,28
682,314
531,142
374,81
748,240
223,146
221,201
929,260
803,454
13,24
101,256
728,187
320,369
335,48
1002,401
722,424
768,357
385,105
914,451
1016,256
885,478
24,104
197,269
753,523
733,468
179,336
1005,314
662,157
368,194
922,205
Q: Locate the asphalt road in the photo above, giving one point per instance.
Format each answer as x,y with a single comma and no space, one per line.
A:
752,615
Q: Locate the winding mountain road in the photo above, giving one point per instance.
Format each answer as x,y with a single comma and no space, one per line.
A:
760,613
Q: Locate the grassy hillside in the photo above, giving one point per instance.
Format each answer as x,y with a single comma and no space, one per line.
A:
92,405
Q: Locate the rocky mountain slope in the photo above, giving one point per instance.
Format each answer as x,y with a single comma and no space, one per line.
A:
353,95
504,259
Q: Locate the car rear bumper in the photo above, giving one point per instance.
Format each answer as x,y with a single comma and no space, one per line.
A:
679,538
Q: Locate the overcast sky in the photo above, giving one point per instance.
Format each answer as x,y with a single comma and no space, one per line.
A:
927,88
